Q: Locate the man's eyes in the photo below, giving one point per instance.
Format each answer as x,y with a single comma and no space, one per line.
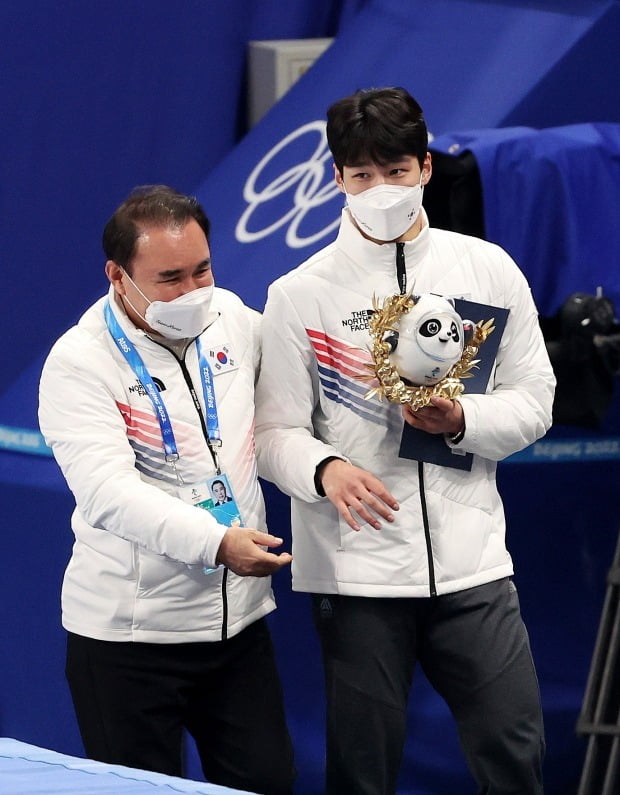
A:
393,172
202,271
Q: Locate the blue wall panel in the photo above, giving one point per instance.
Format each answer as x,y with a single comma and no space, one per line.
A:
98,98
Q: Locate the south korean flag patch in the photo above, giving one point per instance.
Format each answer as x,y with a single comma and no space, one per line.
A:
221,358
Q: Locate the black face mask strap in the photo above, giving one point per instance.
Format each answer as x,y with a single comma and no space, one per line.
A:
401,273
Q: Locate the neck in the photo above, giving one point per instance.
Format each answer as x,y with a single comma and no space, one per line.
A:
413,231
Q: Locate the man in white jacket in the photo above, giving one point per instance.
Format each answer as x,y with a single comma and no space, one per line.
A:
146,403
405,558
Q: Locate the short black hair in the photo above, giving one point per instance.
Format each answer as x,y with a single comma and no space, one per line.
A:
148,205
379,125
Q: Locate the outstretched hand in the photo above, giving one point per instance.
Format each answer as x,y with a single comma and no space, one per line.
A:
241,550
355,491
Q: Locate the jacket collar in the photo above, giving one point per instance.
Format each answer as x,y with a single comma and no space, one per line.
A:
380,258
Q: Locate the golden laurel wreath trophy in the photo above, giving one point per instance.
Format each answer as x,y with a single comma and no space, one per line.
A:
421,347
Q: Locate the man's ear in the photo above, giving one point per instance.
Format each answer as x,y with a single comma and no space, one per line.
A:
115,274
338,179
427,169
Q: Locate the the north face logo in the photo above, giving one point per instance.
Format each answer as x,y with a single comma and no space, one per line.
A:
358,320
325,608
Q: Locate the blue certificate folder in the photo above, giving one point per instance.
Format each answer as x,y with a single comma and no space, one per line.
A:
431,447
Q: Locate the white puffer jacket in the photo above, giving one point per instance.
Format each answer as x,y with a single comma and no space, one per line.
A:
136,571
449,533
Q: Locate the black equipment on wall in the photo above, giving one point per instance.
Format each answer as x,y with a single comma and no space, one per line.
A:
453,197
583,341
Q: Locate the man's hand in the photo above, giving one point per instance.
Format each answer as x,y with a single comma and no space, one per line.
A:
240,550
441,416
352,489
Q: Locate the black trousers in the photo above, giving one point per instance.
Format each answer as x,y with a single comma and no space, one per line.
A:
133,701
474,650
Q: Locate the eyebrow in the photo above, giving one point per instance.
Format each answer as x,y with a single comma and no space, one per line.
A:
173,272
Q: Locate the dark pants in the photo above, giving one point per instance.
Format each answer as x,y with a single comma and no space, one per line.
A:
133,701
474,650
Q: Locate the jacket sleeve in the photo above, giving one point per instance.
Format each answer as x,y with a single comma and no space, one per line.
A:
286,398
82,424
517,409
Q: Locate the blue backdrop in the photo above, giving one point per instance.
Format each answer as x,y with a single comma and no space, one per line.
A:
98,99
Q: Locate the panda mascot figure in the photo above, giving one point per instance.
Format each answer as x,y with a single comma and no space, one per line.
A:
421,347
430,339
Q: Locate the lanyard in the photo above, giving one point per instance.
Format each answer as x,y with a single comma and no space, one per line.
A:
134,360
208,392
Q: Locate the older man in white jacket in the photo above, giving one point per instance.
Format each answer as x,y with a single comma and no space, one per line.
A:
146,403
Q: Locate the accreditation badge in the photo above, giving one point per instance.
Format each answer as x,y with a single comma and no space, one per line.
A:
216,496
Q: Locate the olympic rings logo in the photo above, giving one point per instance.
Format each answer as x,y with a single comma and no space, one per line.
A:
312,189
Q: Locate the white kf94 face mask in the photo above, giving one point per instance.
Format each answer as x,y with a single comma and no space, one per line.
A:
183,317
385,212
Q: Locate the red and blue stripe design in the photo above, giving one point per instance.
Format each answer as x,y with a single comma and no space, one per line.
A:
144,435
341,369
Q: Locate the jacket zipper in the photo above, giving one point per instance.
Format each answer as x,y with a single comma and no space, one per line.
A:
224,605
190,385
427,532
401,277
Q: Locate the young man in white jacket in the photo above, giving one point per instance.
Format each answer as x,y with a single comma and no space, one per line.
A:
147,402
405,559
